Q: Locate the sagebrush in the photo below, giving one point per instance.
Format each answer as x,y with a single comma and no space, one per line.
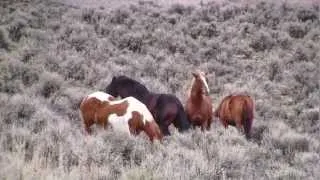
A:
52,54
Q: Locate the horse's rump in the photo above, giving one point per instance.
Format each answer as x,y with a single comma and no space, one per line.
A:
247,116
236,110
223,111
170,108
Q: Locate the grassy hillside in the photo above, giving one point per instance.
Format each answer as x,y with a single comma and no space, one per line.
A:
53,54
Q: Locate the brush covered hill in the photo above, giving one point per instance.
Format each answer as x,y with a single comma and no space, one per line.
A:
53,54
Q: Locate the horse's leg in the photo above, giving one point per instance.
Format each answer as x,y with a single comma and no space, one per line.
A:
224,122
87,124
165,129
209,122
204,125
168,116
194,126
105,125
102,121
238,124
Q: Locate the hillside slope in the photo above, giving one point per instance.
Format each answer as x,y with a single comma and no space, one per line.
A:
52,54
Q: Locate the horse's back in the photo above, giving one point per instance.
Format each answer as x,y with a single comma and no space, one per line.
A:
168,98
102,96
93,101
238,101
138,106
233,106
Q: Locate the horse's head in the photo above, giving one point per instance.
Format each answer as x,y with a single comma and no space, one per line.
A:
124,86
202,80
113,87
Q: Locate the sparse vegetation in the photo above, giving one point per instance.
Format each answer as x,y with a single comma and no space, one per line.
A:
52,54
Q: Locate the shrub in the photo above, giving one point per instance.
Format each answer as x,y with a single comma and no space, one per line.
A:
50,84
297,31
19,111
289,142
66,52
262,41
306,14
15,75
284,40
91,16
207,30
306,76
133,42
275,71
304,54
180,9
5,42
16,30
119,16
29,54
229,11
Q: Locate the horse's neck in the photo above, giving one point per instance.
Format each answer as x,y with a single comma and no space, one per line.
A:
144,98
139,94
196,91
150,100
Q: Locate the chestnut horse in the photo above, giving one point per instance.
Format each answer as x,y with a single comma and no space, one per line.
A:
199,106
236,110
126,115
165,108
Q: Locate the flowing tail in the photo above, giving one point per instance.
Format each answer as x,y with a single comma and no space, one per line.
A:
182,119
247,116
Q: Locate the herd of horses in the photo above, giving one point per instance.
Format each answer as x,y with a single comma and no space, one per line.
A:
142,110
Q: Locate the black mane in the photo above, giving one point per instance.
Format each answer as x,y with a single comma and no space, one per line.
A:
124,80
134,87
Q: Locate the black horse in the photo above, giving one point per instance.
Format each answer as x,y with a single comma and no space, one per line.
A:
165,108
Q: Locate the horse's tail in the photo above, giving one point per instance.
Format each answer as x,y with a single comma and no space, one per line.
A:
182,119
247,117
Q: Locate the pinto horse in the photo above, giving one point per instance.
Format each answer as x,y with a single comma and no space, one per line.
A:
165,108
236,110
199,106
126,115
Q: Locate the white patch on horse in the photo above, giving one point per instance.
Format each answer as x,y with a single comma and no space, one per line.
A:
136,105
121,123
102,96
203,79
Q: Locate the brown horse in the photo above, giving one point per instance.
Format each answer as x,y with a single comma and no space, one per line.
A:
127,115
236,110
199,106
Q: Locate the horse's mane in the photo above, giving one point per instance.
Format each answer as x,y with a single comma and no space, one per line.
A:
138,87
190,86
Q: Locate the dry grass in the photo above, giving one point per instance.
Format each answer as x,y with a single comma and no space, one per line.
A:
53,54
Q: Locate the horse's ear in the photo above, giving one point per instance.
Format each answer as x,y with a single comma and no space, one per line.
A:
114,78
194,74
